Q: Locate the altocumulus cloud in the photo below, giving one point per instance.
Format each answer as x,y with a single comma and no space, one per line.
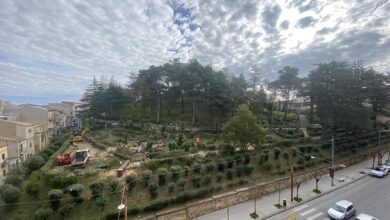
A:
54,48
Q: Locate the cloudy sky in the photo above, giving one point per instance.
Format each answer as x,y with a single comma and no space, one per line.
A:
51,49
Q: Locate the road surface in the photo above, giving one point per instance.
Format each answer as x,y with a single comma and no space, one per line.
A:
370,195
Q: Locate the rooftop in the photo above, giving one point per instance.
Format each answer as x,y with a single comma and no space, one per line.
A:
17,122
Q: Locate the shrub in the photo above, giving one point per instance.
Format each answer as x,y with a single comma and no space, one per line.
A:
162,173
195,181
181,182
276,152
266,154
35,163
300,161
221,165
42,213
247,158
239,170
10,193
302,149
186,169
101,201
175,170
157,205
227,149
146,174
48,151
219,177
75,191
285,155
66,209
210,166
196,167
171,187
152,165
172,145
206,180
230,162
131,181
55,196
309,148
97,188
153,190
229,174
44,155
114,184
248,169
62,181
13,180
238,158
32,187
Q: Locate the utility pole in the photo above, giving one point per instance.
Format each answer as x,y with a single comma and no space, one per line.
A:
331,165
292,174
379,149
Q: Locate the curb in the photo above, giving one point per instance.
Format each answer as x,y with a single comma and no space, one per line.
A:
315,197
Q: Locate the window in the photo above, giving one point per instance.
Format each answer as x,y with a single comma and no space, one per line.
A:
29,131
349,208
30,145
3,172
3,156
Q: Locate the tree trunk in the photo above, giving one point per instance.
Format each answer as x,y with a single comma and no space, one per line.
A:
182,102
158,110
193,108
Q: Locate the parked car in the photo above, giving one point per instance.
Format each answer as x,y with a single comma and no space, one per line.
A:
383,169
365,217
377,172
387,166
342,210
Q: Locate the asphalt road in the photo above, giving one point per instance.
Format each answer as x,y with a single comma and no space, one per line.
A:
369,195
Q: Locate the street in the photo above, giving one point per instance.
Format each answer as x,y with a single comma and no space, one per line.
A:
370,195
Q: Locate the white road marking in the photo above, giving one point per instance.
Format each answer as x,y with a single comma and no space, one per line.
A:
315,216
301,207
308,211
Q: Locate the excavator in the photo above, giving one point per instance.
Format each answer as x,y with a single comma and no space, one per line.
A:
79,137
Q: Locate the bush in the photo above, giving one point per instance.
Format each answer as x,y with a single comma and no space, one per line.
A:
114,184
13,180
210,166
248,169
277,152
48,151
157,205
181,182
55,196
285,155
75,191
239,170
101,201
247,158
146,174
44,155
32,187
35,163
186,169
97,188
219,177
309,148
226,148
196,167
171,187
230,162
162,173
10,193
66,209
238,158
62,181
131,181
152,165
153,190
42,213
229,174
266,154
206,180
175,170
221,165
195,181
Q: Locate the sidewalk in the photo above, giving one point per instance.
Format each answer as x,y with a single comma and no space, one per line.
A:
265,205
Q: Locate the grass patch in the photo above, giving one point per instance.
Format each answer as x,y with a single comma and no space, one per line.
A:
362,172
277,205
317,191
298,199
254,215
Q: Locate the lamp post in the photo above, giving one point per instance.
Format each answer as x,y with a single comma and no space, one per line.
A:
331,165
292,174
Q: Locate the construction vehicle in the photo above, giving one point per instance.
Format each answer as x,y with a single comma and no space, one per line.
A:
63,160
80,158
79,136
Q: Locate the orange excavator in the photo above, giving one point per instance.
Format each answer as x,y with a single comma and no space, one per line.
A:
63,160
79,137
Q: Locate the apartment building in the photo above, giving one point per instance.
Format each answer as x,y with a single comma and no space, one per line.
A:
3,159
19,137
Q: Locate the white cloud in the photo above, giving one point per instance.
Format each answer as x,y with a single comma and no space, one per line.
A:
62,42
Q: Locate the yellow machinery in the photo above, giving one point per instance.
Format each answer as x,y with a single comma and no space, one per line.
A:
79,137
